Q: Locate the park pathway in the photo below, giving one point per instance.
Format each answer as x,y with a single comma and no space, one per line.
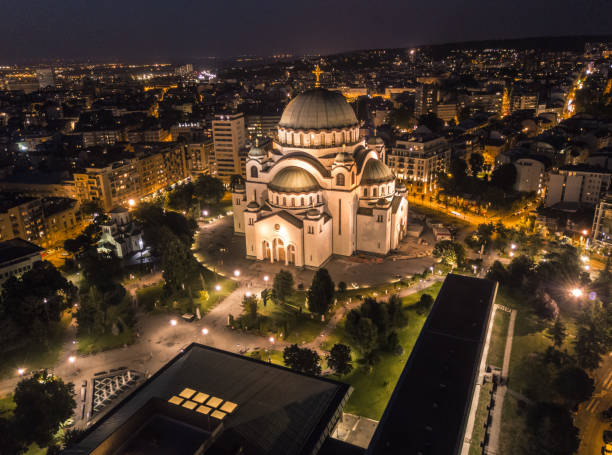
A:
502,389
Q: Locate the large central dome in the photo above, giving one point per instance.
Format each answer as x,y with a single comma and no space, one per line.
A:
318,109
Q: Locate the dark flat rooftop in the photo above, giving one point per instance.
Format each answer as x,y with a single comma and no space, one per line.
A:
428,409
16,248
278,410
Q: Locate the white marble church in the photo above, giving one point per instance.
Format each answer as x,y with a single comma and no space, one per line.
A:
320,191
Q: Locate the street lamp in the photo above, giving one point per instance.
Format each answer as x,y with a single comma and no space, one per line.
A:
584,258
173,324
266,278
217,287
236,273
513,246
204,331
511,254
576,292
585,232
204,212
248,293
20,371
71,359
271,340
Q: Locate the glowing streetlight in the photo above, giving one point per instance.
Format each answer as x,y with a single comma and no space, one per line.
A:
204,331
131,202
271,340
248,293
584,258
173,322
576,292
217,287
20,371
266,278
236,273
72,359
204,212
585,232
511,254
513,246
587,267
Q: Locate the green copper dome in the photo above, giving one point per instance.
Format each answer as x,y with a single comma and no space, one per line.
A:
375,171
293,179
318,109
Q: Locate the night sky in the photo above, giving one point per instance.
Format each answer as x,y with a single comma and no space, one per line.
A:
161,29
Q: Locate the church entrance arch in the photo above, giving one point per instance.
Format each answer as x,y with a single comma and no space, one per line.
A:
267,252
279,250
291,254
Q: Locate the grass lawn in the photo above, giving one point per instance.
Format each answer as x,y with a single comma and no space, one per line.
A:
527,375
274,356
7,405
481,417
495,357
372,389
153,297
98,343
36,355
295,326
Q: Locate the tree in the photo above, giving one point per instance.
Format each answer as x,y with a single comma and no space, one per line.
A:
43,402
450,253
558,333
342,286
91,207
266,295
431,121
574,386
476,162
235,180
302,359
249,305
209,189
424,304
593,336
504,177
550,430
181,198
361,331
397,318
339,359
519,269
283,285
321,292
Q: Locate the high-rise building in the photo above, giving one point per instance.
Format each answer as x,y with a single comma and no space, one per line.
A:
229,145
259,126
46,77
523,100
602,223
426,99
419,158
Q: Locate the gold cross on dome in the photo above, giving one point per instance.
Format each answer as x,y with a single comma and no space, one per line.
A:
317,72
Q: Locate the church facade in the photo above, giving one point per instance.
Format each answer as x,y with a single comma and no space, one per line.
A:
320,191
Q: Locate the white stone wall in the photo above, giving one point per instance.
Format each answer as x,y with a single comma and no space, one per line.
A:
318,244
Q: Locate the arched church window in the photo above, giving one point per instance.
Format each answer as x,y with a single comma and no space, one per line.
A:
310,200
302,201
365,192
374,192
353,178
254,173
276,200
333,139
301,139
292,202
382,190
318,198
340,180
285,201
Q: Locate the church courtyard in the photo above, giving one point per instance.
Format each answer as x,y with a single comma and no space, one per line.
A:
218,248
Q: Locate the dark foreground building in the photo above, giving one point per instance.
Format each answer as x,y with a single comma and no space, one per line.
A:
215,402
207,401
429,408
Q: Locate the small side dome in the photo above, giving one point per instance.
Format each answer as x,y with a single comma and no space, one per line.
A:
257,151
375,171
253,205
343,156
293,179
381,201
313,214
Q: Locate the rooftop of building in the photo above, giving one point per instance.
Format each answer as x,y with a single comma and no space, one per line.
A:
428,409
10,200
583,167
223,402
17,248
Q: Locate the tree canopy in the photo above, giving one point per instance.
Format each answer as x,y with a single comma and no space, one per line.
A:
321,292
283,285
339,359
302,359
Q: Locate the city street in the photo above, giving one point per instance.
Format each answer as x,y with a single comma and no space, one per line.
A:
588,419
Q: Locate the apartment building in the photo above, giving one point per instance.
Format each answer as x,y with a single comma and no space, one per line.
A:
229,146
21,217
602,223
125,181
579,183
418,159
